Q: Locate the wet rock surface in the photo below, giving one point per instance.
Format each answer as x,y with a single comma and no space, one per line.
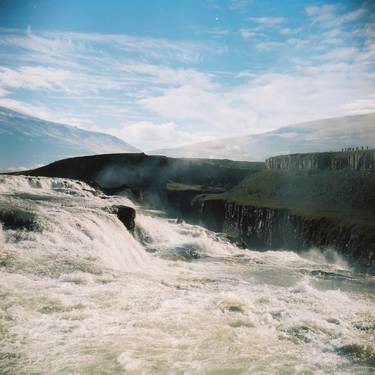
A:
271,228
13,217
126,215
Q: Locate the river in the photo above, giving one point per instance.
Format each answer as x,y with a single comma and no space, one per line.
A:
81,295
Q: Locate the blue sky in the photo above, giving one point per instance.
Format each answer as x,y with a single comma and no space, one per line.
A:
168,73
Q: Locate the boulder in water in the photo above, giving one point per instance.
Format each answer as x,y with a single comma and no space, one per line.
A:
13,217
126,215
187,252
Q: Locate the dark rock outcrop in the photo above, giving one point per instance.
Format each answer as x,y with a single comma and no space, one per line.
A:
13,217
126,215
272,228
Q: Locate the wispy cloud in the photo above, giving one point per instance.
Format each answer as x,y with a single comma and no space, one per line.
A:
39,110
269,100
166,75
267,21
332,15
55,45
34,77
144,134
289,31
78,63
247,33
269,45
156,92
240,5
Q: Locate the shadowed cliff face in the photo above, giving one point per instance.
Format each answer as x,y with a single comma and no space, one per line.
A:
363,160
270,228
283,209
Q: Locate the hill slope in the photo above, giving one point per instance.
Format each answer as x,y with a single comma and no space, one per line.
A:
315,136
146,172
27,141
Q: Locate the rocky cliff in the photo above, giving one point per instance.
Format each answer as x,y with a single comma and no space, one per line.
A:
322,200
357,160
270,228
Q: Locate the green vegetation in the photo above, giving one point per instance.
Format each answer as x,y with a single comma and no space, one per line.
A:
345,194
177,186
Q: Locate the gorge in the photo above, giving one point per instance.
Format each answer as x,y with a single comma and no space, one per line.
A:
296,202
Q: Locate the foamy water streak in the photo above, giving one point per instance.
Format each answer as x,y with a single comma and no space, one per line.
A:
82,296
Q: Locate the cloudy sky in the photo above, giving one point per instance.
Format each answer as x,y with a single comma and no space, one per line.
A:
165,73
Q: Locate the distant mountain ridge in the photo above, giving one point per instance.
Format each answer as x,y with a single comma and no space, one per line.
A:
331,134
27,141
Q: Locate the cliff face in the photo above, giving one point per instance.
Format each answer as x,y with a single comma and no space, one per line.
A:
269,228
263,217
363,160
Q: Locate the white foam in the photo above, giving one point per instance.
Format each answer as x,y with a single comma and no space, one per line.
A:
83,294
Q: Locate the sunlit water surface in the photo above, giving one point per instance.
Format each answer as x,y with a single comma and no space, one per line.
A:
83,296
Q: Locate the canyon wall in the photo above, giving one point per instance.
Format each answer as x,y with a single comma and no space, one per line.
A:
357,160
270,228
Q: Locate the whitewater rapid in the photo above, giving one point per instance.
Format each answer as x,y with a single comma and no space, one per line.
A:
81,295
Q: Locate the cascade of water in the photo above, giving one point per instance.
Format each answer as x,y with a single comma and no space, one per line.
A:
81,293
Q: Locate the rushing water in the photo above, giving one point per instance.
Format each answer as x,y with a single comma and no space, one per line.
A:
81,295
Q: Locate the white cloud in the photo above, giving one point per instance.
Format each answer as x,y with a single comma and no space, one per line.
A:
298,42
246,33
269,45
359,106
289,31
43,112
33,77
268,21
203,109
354,15
154,88
322,13
219,31
121,77
290,135
74,121
39,111
3,92
64,47
240,5
286,31
60,80
331,15
148,135
342,54
79,63
165,75
269,100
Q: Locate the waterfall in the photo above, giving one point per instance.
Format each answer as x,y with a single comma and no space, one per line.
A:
81,295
